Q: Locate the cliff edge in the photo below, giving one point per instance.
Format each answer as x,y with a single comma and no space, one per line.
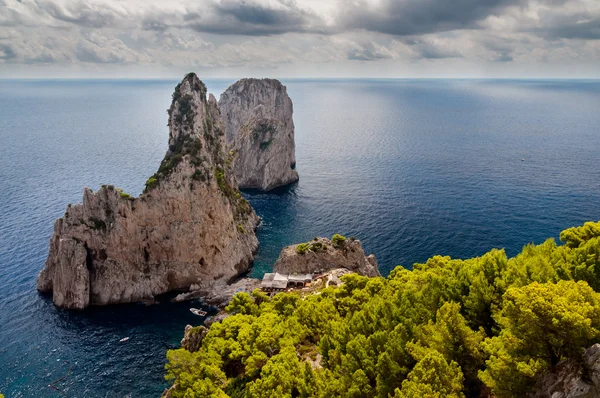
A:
189,226
322,254
257,115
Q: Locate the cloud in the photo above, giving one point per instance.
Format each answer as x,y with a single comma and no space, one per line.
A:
7,52
369,51
245,18
414,17
96,48
84,13
433,48
288,34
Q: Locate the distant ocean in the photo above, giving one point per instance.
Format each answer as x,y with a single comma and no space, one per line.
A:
412,168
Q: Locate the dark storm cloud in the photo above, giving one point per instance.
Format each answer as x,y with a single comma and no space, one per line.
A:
414,17
245,18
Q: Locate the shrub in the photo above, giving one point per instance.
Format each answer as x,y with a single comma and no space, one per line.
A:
151,183
241,229
302,248
316,246
185,109
125,195
176,94
338,240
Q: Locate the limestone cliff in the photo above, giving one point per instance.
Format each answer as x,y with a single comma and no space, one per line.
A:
322,254
257,114
190,226
572,379
192,337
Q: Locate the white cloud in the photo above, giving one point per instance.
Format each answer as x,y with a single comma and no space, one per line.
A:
288,35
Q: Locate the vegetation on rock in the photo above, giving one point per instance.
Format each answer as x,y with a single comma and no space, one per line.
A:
125,195
302,248
264,145
448,328
338,240
261,129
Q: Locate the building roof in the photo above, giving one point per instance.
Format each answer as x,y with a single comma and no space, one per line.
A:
300,278
267,280
280,281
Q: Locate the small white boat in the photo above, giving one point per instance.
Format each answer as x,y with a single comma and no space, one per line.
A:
198,312
124,339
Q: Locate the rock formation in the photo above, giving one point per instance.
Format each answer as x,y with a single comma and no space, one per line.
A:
192,337
190,226
322,254
257,114
572,379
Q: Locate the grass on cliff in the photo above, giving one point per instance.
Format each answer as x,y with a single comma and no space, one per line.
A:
448,328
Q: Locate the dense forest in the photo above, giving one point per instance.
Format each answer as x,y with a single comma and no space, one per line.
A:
448,328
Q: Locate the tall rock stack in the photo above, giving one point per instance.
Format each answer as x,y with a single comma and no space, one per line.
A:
189,227
257,115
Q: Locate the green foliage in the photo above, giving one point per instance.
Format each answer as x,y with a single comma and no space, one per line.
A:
317,246
186,110
302,248
241,229
183,147
574,237
432,377
448,328
338,240
125,195
152,182
176,93
264,145
541,324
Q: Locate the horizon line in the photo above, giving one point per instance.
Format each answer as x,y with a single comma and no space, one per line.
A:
298,78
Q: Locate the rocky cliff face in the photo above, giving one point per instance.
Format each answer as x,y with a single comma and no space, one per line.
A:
572,379
192,337
322,254
190,226
257,114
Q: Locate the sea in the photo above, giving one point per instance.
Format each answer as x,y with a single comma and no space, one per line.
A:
412,168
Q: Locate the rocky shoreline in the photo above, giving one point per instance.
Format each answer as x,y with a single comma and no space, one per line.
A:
321,256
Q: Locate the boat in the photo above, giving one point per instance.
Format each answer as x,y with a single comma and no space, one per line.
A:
124,339
198,312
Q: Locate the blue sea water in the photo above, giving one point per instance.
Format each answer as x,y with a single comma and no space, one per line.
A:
413,168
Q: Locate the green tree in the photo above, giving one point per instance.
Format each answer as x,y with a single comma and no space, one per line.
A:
451,336
440,330
576,236
541,324
432,377
242,303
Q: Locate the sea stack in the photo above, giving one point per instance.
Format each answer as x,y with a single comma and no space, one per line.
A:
257,115
190,226
322,254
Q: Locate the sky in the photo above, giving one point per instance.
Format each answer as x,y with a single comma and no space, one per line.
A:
300,38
